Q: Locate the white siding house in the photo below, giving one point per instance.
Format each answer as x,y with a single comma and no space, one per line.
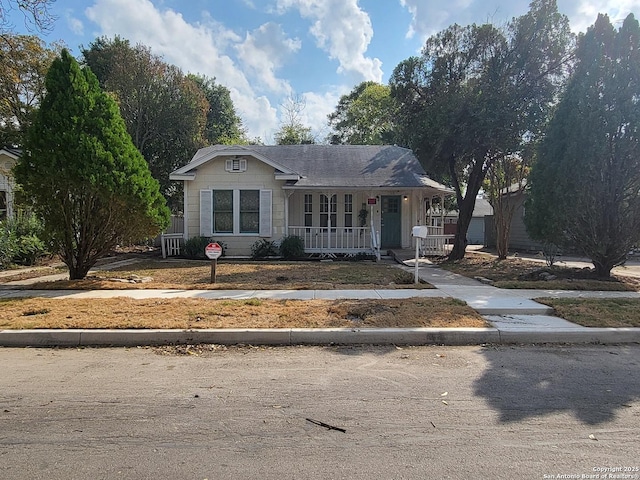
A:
339,199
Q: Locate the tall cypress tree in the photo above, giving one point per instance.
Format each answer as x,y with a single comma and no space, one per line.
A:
83,174
585,186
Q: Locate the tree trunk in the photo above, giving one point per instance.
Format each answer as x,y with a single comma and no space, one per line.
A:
603,270
503,231
460,240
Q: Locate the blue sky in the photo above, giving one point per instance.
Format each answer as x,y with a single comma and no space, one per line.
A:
264,51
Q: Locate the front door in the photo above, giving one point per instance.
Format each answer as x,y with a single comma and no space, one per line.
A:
390,235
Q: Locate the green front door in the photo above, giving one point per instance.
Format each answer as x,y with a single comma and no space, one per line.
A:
390,235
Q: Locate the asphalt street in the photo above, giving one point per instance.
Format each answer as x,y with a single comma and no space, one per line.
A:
499,412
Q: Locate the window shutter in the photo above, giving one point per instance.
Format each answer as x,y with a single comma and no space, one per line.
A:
265,213
228,165
243,164
206,213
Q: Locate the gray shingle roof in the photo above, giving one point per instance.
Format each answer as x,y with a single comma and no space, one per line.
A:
342,165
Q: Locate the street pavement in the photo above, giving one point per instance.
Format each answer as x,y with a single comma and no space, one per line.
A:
514,315
493,412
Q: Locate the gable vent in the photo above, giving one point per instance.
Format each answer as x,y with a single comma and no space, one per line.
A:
236,164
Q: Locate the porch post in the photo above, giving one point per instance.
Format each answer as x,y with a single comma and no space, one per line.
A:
185,210
287,195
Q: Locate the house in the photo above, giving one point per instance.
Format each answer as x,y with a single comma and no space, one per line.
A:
476,230
8,158
519,238
340,199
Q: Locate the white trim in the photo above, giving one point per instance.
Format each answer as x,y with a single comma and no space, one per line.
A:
205,155
175,176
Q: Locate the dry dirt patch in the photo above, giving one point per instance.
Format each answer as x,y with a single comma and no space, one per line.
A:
247,276
600,312
119,313
518,273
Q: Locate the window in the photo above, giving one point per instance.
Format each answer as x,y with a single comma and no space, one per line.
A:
328,207
348,210
249,211
236,212
223,211
308,210
3,205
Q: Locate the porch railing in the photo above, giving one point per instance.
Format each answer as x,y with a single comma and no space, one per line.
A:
349,240
436,243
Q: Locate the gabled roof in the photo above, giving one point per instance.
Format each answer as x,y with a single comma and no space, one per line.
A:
14,153
329,166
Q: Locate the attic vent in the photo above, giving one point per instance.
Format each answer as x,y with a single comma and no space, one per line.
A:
236,164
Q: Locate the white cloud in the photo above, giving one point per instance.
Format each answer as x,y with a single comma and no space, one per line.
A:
429,18
317,107
74,24
198,48
583,14
264,51
344,30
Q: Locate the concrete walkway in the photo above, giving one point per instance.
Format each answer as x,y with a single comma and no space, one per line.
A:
514,316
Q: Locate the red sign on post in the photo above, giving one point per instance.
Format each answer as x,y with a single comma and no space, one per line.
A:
213,251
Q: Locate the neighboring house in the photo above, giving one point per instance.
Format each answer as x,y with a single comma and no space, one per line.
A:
519,239
8,158
340,199
476,230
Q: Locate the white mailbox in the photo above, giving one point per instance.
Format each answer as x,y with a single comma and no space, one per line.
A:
420,231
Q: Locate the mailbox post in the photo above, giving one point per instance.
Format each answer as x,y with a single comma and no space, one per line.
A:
213,251
419,231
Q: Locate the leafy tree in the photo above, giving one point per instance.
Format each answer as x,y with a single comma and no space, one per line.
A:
85,178
223,126
165,111
585,185
36,14
364,116
292,131
477,94
24,65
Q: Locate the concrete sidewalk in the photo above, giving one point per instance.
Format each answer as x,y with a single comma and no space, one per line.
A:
514,316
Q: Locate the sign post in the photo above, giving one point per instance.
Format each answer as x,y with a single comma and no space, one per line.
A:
213,251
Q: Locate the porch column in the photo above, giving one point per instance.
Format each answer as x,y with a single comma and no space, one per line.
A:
287,196
185,210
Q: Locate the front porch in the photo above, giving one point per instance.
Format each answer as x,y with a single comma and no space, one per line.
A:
331,241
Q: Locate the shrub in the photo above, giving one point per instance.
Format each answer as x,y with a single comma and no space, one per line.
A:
20,240
263,248
194,247
292,246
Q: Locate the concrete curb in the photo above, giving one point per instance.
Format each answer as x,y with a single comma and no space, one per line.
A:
302,336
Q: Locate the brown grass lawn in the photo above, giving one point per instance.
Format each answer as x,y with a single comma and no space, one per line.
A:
252,313
611,312
184,274
518,273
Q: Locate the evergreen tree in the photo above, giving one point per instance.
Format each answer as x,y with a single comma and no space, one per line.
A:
84,176
585,186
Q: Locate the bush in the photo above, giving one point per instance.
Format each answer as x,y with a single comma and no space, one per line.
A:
292,246
263,248
194,247
20,240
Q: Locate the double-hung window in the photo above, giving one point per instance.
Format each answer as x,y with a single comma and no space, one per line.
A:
236,212
348,210
328,209
249,211
308,210
223,211
3,205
